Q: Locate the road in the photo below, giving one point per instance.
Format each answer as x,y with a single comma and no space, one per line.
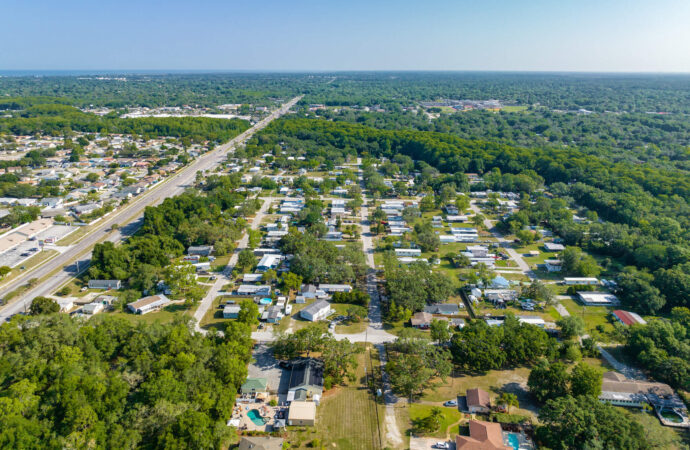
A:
68,263
224,278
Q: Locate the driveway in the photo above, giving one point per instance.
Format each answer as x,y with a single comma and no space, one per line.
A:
266,366
421,443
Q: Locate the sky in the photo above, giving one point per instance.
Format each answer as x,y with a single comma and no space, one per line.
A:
336,35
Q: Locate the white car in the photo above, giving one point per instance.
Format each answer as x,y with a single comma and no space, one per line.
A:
441,445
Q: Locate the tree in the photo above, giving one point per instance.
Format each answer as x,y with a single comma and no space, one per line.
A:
586,423
181,280
305,340
340,358
478,220
245,260
526,237
291,281
4,270
43,305
636,291
585,380
548,381
538,291
440,331
414,364
508,400
269,276
249,312
571,326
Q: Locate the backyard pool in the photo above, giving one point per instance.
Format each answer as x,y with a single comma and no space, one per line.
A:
671,416
265,301
517,441
255,416
513,440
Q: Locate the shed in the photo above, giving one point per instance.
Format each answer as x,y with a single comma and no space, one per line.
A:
302,413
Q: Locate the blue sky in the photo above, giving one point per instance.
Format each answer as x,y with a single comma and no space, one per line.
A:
538,35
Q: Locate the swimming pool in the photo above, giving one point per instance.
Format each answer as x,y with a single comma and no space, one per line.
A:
266,301
255,416
671,416
513,440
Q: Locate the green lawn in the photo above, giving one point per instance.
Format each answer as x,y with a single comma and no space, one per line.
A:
513,109
592,315
450,417
165,315
658,435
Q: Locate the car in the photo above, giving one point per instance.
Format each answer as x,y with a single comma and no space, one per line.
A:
441,445
451,403
24,254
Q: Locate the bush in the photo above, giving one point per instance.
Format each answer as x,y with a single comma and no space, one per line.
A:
315,443
355,297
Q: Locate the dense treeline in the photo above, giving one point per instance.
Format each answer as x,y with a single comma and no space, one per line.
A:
108,383
167,230
58,119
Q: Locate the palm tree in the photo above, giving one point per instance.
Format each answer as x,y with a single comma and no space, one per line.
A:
508,400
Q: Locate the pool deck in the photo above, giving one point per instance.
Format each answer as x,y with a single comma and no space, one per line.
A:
241,412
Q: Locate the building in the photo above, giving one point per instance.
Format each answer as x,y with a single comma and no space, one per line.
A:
92,308
532,320
261,443
148,304
302,413
628,318
231,311
254,386
597,298
249,290
478,401
201,250
443,309
483,436
581,281
553,265
105,284
411,252
306,380
252,277
269,261
478,251
273,314
421,320
552,247
318,310
332,288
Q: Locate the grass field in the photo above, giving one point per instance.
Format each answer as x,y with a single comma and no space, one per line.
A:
514,108
658,435
451,416
165,315
345,419
592,315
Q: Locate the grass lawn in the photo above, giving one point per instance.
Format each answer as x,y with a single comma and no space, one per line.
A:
165,315
345,412
220,262
450,417
592,315
494,382
214,316
658,435
515,108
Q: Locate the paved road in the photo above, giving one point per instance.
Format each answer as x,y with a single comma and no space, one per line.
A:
224,278
66,263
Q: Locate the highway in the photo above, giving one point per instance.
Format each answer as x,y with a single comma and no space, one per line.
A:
73,260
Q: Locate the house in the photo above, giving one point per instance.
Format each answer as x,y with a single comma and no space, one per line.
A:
302,413
457,322
483,436
478,401
500,283
478,251
553,265
261,443
456,218
581,281
270,261
65,304
92,308
252,277
617,390
553,247
318,310
444,309
628,318
332,288
231,311
201,250
250,290
254,386
306,380
532,320
273,314
597,298
311,291
105,284
411,252
148,304
192,259
421,320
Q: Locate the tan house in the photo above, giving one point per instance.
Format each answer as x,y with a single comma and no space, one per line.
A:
478,401
261,443
483,436
421,320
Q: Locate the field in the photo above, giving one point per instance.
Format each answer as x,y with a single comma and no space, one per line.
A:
449,421
165,315
592,315
347,418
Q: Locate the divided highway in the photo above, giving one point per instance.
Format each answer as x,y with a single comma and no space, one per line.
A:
67,264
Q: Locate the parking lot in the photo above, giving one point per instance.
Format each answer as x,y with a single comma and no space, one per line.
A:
16,255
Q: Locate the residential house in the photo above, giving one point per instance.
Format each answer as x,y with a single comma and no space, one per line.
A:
553,265
147,304
628,318
306,380
409,252
105,284
444,309
581,281
590,298
269,261
92,308
483,436
273,315
253,386
231,311
261,443
553,247
421,320
318,310
249,290
332,288
478,401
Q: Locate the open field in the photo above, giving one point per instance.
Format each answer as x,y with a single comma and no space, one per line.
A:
451,417
592,315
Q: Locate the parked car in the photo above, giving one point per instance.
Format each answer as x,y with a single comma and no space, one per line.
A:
451,403
441,445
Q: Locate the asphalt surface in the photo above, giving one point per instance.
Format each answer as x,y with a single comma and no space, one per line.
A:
75,259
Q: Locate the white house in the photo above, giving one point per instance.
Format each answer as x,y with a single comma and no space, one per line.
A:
318,310
412,252
581,281
552,247
270,261
148,304
553,265
252,289
597,299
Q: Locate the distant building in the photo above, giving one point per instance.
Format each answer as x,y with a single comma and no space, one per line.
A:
597,298
553,265
250,290
105,284
332,288
552,247
201,250
231,311
444,309
92,308
628,318
421,320
581,281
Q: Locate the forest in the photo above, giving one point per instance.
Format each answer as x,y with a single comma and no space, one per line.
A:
109,383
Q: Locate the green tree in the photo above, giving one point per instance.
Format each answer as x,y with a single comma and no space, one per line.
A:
43,305
245,260
508,400
249,312
291,281
571,326
548,381
585,380
440,331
